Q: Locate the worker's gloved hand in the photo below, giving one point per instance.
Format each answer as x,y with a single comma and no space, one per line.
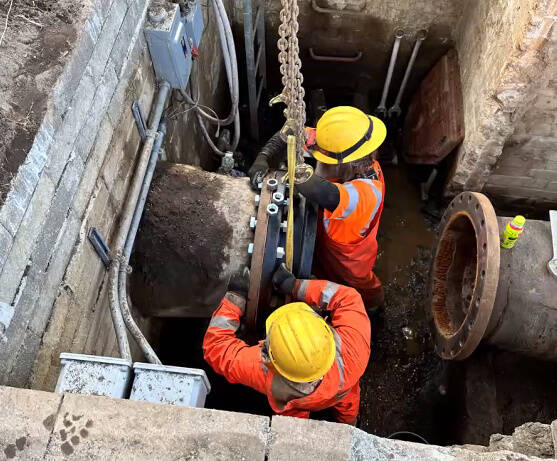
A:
284,280
258,170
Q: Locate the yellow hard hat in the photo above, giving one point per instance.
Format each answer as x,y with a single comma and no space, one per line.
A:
300,343
344,134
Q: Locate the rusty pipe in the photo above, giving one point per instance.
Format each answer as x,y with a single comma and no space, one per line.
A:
481,292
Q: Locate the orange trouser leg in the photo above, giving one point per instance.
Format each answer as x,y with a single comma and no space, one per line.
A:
347,409
295,413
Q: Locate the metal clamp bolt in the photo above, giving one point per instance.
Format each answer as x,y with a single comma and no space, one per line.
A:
257,199
272,184
272,209
280,252
284,226
260,185
250,248
278,198
252,222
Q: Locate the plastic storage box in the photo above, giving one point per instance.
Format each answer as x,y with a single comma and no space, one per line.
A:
94,375
186,387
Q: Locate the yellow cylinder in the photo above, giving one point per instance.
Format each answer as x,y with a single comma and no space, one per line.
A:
513,231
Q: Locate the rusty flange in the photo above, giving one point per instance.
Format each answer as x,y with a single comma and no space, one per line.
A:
464,276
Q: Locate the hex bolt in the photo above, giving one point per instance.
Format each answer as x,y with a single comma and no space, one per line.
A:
257,200
272,184
250,248
284,226
278,198
272,209
252,222
260,185
280,252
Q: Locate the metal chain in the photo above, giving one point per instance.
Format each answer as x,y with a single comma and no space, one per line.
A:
292,79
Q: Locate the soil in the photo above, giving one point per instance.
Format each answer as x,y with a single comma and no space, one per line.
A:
38,39
163,238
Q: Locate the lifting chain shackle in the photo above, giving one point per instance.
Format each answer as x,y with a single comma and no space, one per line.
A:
290,68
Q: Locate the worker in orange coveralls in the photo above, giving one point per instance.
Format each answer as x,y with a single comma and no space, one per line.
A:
314,354
349,187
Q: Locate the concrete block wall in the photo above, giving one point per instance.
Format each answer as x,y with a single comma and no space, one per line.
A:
75,176
49,426
504,51
525,175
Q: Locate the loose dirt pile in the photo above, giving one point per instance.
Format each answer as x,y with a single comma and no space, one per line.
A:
38,36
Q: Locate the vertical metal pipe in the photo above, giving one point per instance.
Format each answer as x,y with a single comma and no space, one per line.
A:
126,219
382,109
395,109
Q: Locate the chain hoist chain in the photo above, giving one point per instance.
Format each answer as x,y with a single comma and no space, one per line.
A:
292,79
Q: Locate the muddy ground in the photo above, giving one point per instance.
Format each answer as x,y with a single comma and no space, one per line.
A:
406,387
38,36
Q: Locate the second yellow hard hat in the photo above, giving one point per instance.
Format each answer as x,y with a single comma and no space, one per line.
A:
300,343
344,134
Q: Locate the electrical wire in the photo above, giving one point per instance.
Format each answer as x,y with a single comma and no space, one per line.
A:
231,66
418,436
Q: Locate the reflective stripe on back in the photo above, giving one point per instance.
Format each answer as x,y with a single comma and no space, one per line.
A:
224,323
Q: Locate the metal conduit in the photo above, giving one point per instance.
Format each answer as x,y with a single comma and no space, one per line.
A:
120,314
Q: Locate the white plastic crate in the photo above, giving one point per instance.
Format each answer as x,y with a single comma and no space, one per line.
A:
94,375
186,387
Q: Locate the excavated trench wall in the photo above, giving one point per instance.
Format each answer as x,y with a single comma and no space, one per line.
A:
76,176
506,52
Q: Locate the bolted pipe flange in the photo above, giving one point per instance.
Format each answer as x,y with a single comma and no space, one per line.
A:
278,198
272,184
280,252
252,222
272,209
464,276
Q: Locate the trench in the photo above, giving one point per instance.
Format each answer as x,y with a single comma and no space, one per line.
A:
406,389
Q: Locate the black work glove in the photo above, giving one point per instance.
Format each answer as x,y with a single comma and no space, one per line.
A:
284,280
258,170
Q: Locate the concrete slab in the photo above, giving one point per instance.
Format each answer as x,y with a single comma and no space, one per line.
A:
27,423
91,427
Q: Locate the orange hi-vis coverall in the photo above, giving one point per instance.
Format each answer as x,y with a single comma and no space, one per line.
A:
339,388
347,237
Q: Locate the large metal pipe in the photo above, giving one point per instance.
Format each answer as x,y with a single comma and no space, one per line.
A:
194,236
479,291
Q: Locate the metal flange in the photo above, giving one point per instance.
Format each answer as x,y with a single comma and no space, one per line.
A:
464,275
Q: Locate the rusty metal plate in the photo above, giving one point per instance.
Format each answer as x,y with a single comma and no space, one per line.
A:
434,125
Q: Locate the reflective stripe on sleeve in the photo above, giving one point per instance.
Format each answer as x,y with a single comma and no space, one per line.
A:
378,199
224,323
339,361
302,290
353,197
326,295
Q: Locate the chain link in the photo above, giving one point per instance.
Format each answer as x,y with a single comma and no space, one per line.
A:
292,79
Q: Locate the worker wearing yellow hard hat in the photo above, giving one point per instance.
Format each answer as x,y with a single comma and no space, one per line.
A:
314,353
349,187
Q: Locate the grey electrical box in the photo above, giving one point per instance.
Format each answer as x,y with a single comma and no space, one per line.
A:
168,43
193,21
94,375
173,385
